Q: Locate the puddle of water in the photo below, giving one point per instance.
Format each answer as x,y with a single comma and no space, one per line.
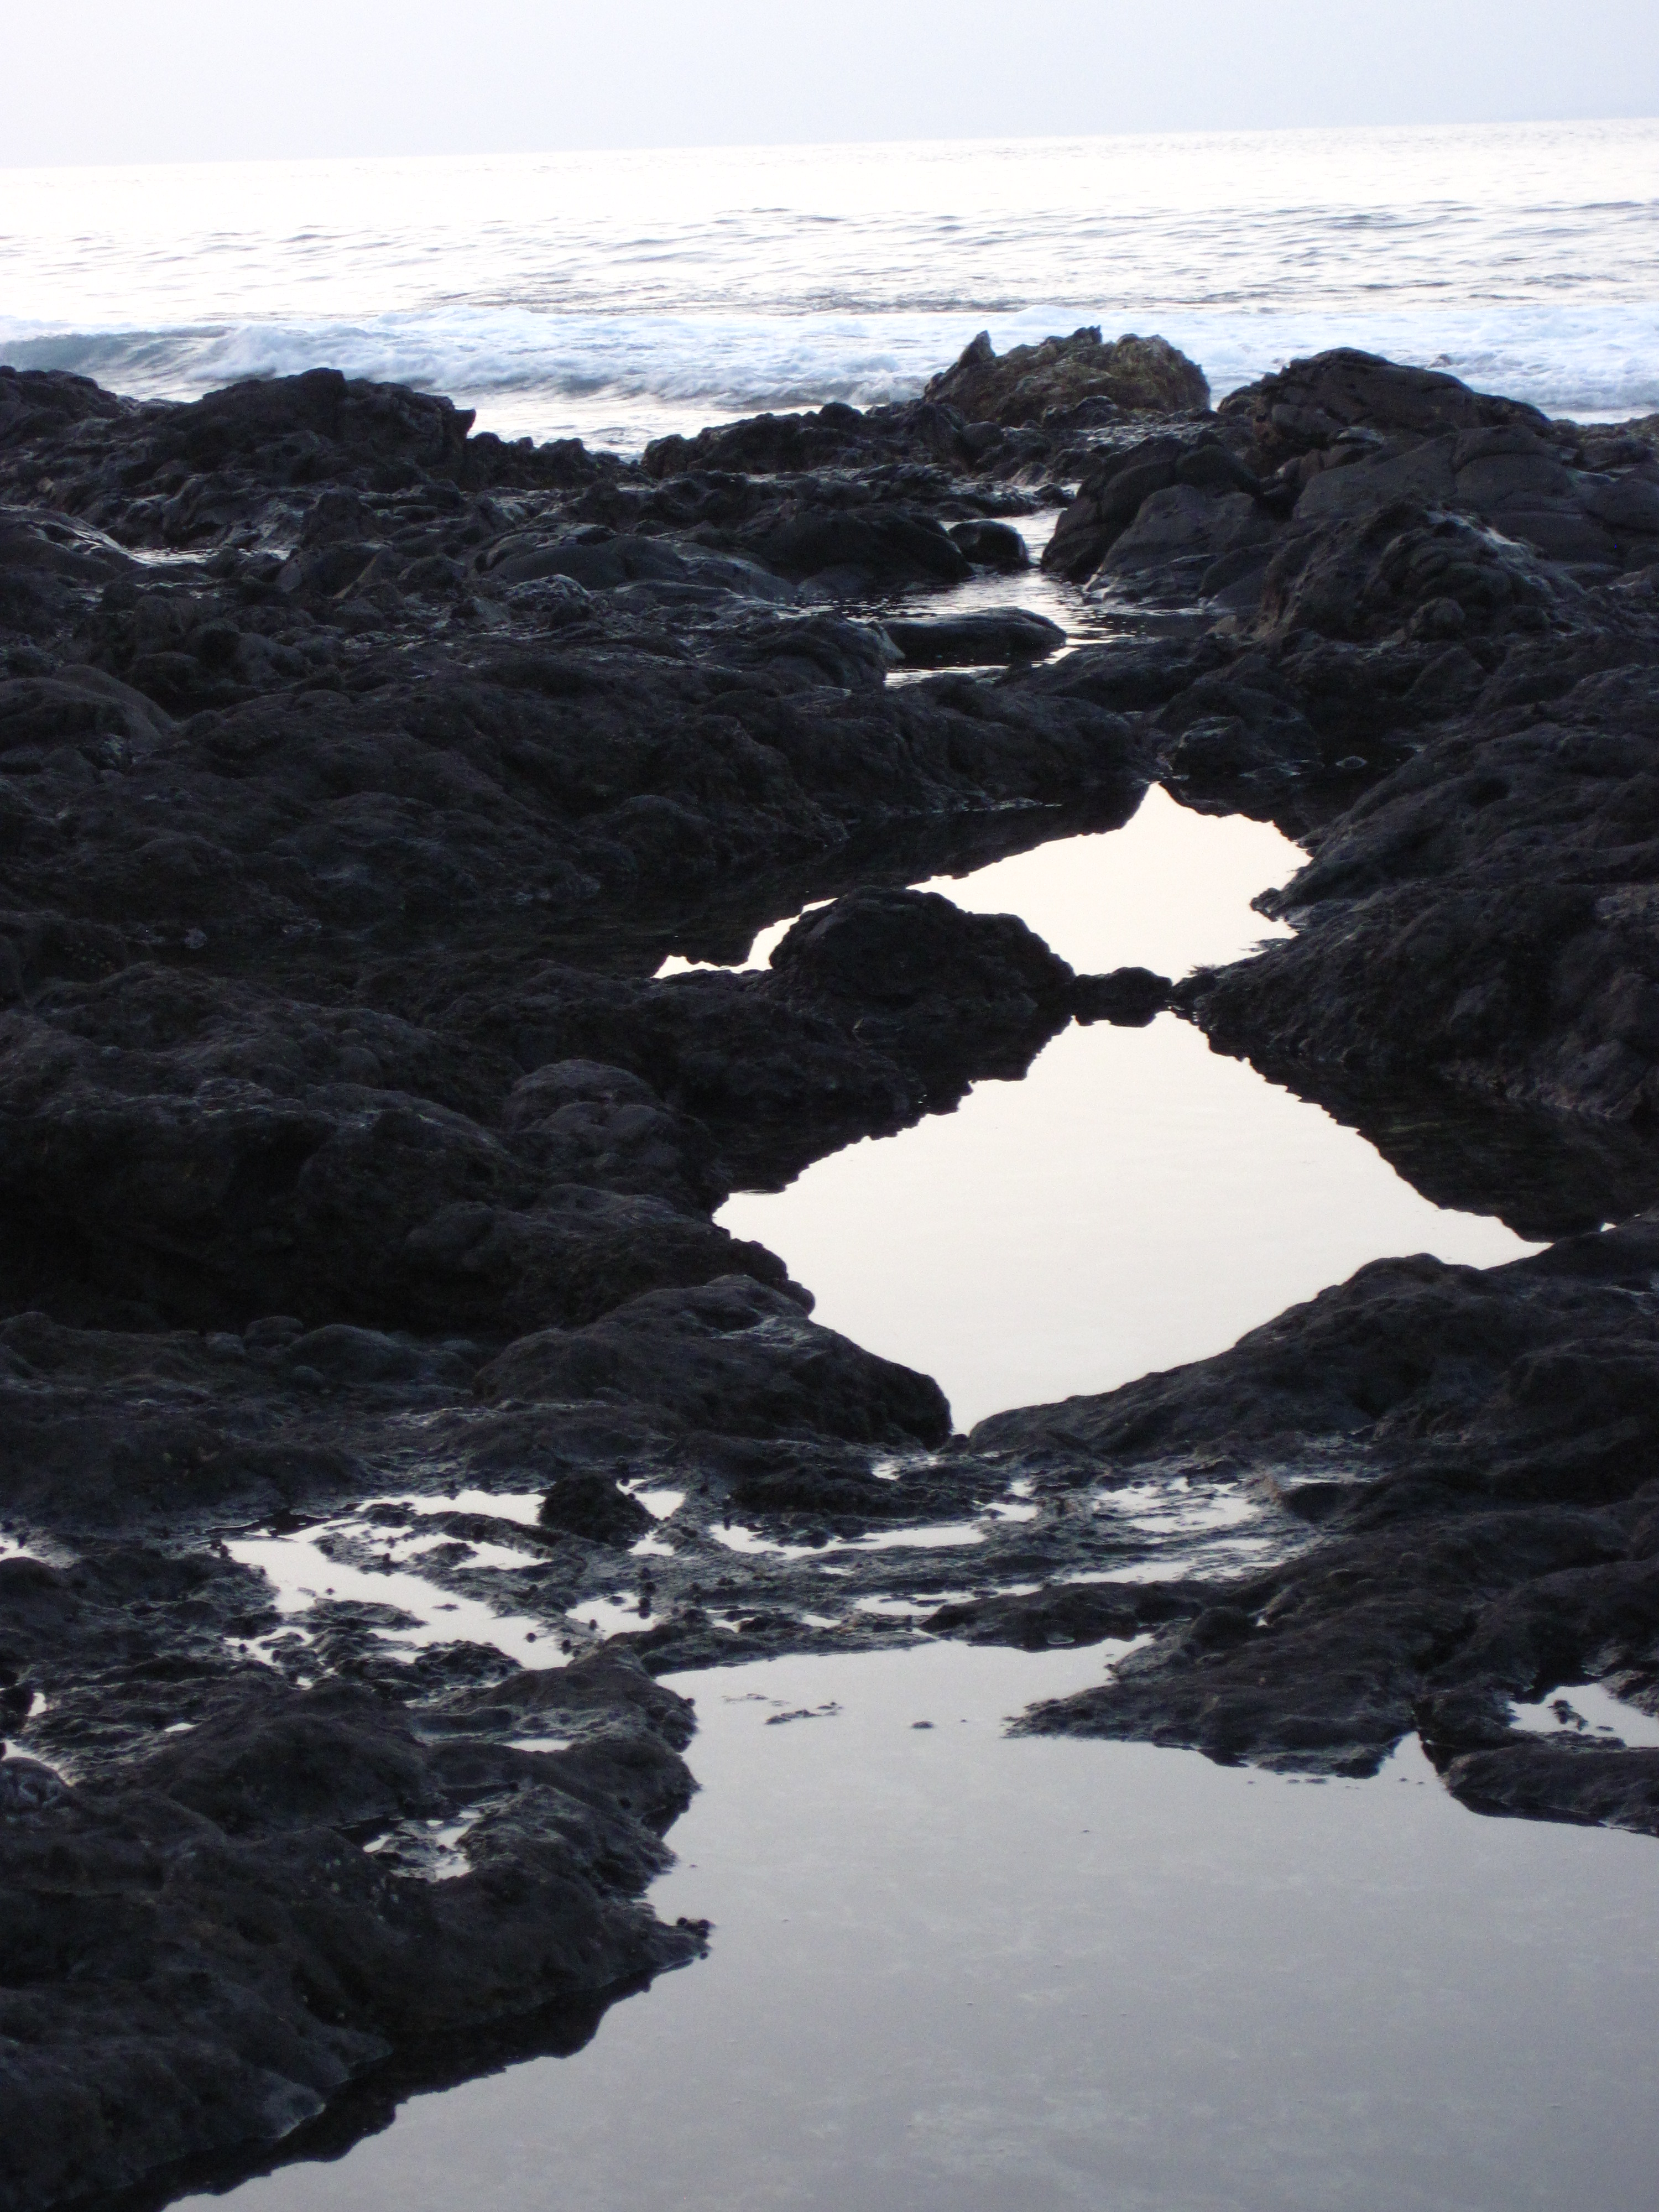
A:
956,1972
1086,615
522,1505
1143,1570
945,1536
430,1849
1136,1202
11,1748
1588,1711
665,1504
1174,1509
301,1574
942,1536
44,1552
1170,890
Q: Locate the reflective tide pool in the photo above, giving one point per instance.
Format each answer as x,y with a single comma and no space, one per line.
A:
1138,1200
955,1972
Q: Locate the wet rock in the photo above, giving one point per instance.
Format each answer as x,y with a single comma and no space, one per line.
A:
1388,567
817,1482
1183,525
356,1155
833,436
995,545
258,1955
1191,475
990,640
1596,1784
1525,990
934,989
849,552
1043,1619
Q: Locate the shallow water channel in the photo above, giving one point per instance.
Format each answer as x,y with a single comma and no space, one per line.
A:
1138,1200
956,1971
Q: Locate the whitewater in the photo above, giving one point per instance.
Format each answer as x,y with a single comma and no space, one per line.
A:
619,296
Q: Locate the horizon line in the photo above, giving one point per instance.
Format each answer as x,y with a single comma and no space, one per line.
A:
804,145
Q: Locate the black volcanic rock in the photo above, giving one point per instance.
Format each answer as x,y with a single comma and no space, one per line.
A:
1030,381
1432,942
359,772
730,1355
986,640
1476,1451
948,996
1400,566
584,1503
996,545
221,1958
1308,406
861,550
1114,491
1129,998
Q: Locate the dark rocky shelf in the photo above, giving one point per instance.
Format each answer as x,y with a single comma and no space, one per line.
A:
357,775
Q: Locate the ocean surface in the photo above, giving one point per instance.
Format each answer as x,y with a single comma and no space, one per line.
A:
620,295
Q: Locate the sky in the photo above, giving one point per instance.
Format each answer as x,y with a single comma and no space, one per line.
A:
130,81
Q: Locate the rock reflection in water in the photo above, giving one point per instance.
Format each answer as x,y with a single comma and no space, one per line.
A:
1169,890
954,1972
1136,1202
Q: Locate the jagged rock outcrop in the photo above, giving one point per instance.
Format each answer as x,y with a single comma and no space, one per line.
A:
1145,375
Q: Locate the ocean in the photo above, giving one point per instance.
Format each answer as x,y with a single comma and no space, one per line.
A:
619,296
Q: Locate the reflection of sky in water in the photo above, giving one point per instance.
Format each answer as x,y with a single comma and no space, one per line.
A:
1590,1711
303,1574
1138,1200
521,1505
1170,890
954,1972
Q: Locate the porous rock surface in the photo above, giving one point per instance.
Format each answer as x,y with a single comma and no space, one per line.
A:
358,774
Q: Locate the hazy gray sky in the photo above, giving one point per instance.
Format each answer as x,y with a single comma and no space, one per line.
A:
195,79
